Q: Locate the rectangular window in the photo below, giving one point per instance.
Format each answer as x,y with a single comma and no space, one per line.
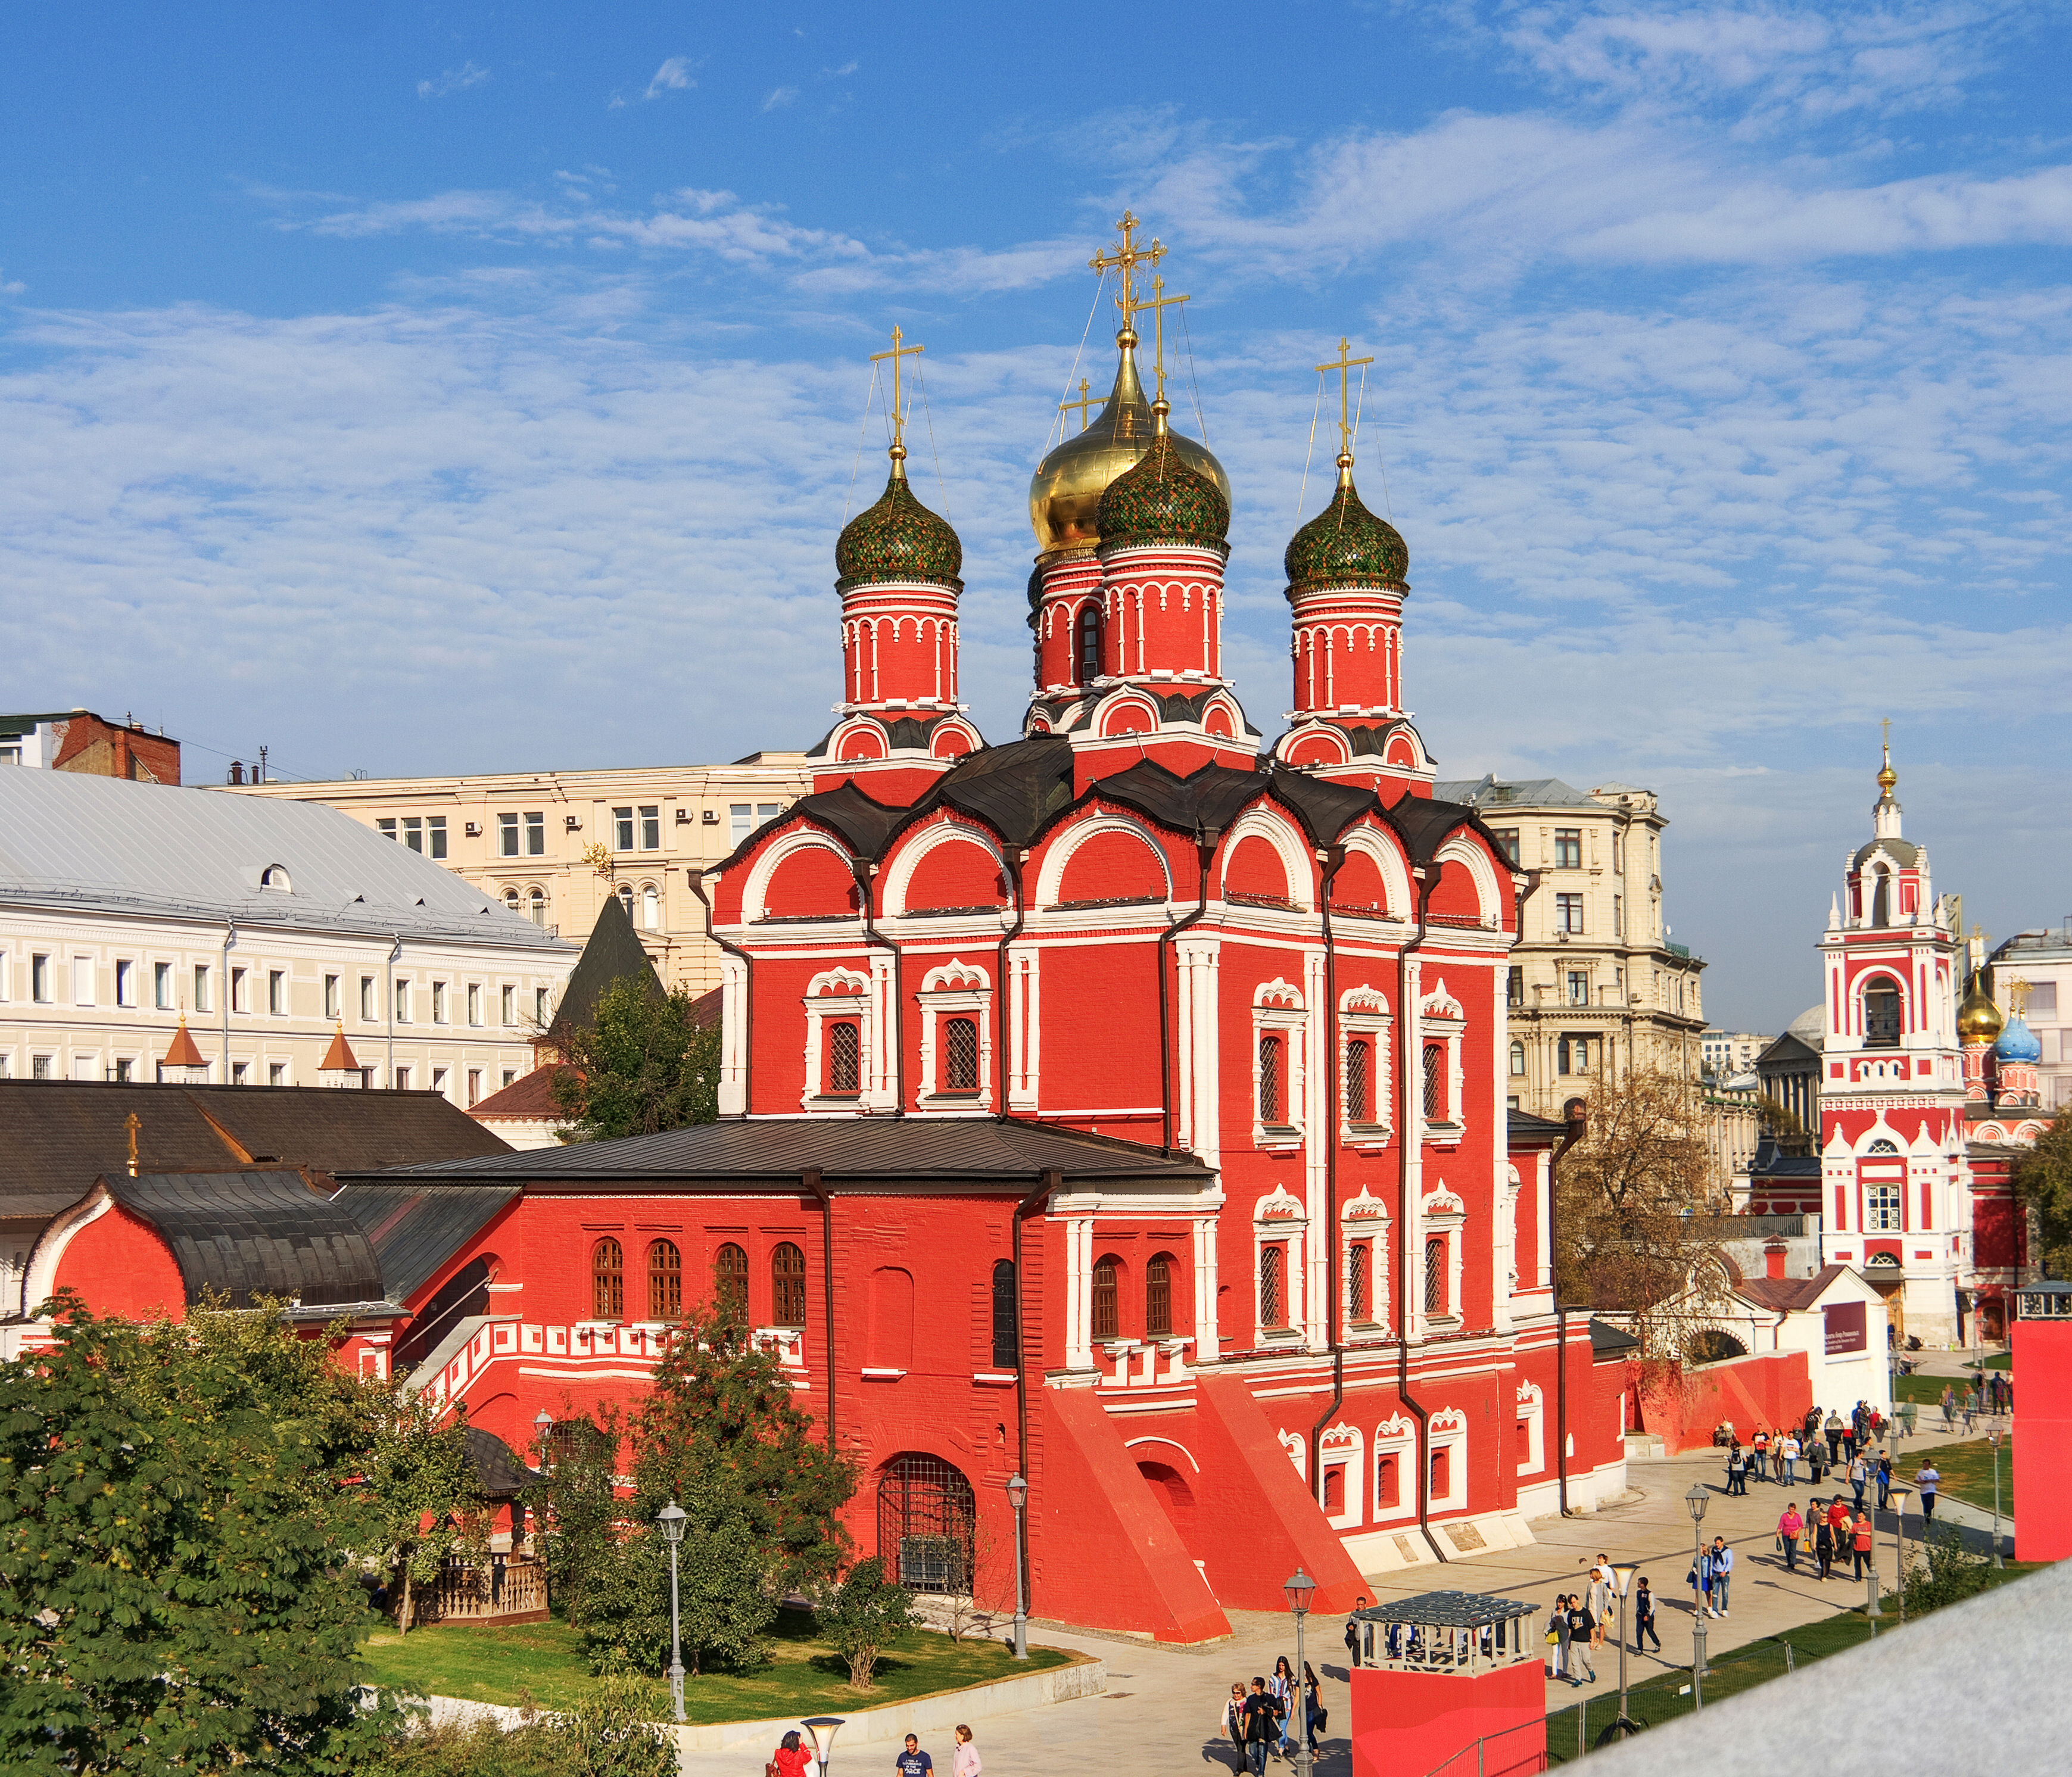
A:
1514,987
1568,914
1358,1283
510,1076
767,812
39,1067
1567,848
161,986
621,829
1507,838
438,1003
82,973
536,834
125,1071
1441,1473
1618,915
1517,1061
506,836
1384,1484
475,1085
845,1059
439,1079
366,1012
1269,1080
1881,1210
402,1080
125,983
239,1002
960,1054
2043,1002
1272,1296
1335,1489
201,987
740,824
507,1006
331,996
277,1073
1579,987
241,1073
1618,856
1435,1071
1435,1275
402,1003
539,1004
1359,1089
474,1004
413,833
39,978
276,991
386,827
651,826
435,835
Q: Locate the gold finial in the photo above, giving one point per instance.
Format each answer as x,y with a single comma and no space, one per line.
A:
1345,365
1126,256
133,1123
2017,995
897,453
1887,776
1082,404
1159,303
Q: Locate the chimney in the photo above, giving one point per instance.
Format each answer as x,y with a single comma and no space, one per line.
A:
1773,1257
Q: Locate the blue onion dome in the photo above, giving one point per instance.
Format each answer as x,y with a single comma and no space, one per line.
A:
1163,499
898,539
2018,1042
1346,545
1978,1018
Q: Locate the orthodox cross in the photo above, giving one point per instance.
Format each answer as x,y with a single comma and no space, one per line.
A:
1126,257
133,1123
1344,365
1082,404
899,412
1159,303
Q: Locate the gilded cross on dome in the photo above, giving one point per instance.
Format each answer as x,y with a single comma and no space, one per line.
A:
1085,401
898,451
1345,365
1159,303
1125,257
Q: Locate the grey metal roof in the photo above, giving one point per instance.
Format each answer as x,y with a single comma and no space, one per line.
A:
108,845
1490,793
243,1234
841,1148
1448,1611
497,1472
415,1230
1607,1340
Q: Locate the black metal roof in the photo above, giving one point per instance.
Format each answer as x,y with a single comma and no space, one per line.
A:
243,1234
916,1149
1607,1340
1522,1125
414,1231
1448,1611
611,953
497,1472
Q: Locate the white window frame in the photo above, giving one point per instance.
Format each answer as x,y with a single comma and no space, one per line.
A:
475,1005
1279,1009
126,981
1280,1219
1447,1431
507,1004
1439,1016
956,990
402,1006
85,981
162,990
203,983
506,836
441,1009
1365,1221
1445,1215
278,993
1397,1437
840,995
1533,1410
1363,1012
651,907
1343,1445
333,998
649,815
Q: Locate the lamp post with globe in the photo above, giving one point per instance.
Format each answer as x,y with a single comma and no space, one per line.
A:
671,1518
1696,1501
1018,1496
1622,1574
1299,1588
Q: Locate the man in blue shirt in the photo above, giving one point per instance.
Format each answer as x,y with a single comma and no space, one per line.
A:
1723,1571
913,1761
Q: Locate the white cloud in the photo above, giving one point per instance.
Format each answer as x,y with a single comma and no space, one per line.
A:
454,79
673,76
837,74
780,98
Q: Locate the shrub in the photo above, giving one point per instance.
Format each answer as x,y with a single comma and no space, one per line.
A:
1947,1573
863,1616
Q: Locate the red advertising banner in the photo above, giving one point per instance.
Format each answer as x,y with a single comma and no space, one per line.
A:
1845,1328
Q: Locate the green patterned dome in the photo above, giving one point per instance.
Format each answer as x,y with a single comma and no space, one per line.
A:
1161,499
898,539
1346,545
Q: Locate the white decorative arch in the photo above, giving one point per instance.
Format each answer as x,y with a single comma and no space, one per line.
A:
1297,1448
1062,849
1308,732
954,988
956,977
1443,1216
1395,1442
1448,1431
1363,1013
1280,995
1440,1004
1170,1444
1110,708
754,894
1489,897
1279,1218
1372,842
1279,832
1343,1440
1533,1416
839,993
914,846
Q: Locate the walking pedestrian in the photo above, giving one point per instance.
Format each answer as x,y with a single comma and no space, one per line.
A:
913,1761
1723,1571
1282,1687
1701,1594
1643,1618
1580,1623
1261,1728
1759,1450
1862,1530
965,1763
1971,1407
1557,1626
1736,1470
1599,1603
1925,1479
1860,1477
1789,1525
1824,1546
1949,1398
1883,1481
1792,1447
1312,1708
1233,1724
1353,1631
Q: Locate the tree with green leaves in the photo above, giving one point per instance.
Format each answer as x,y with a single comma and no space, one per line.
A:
2042,1180
421,1492
610,1733
644,1065
863,1616
178,1522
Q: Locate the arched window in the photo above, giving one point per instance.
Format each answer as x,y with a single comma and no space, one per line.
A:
1880,897
626,899
1435,1067
1359,1081
607,1281
535,909
1517,1060
1883,1145
1435,1275
1158,1296
787,1286
1272,1297
1881,1015
845,1059
665,1282
1359,1285
959,1055
1089,643
1107,1309
1269,1079
511,899
1006,1316
928,1520
651,907
730,1282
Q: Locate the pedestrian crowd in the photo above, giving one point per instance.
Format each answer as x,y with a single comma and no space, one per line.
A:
1264,1721
794,1758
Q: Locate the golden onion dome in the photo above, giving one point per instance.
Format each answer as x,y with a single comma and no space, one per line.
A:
1978,1019
1065,492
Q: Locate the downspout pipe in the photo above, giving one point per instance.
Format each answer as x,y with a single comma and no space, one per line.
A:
1334,860
1578,1122
1205,851
1014,859
223,993
810,1179
1411,1066
695,878
395,956
1053,1182
865,873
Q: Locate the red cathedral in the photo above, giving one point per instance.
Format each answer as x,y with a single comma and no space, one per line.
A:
1121,1105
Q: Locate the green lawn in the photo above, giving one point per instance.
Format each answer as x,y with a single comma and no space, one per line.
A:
1968,1471
1662,1699
544,1661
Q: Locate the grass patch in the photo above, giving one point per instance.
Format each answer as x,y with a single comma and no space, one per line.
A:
805,1677
1967,1472
1727,1674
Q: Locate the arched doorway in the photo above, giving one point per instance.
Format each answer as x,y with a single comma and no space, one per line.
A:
926,1524
1169,1488
1709,1345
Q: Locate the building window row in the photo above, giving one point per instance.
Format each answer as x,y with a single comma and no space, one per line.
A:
1107,1297
424,833
665,1282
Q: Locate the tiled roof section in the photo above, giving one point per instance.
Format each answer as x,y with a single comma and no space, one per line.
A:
247,1234
1162,498
898,539
911,1149
61,1135
860,823
1784,1294
1494,793
498,1474
1346,545
612,953
415,1230
109,845
530,1097
1016,788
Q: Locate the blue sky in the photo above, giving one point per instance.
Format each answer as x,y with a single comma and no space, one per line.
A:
465,388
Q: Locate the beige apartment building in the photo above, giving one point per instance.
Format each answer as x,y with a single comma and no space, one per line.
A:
551,845
1596,984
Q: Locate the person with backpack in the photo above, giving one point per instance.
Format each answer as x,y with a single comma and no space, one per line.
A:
1737,1471
1789,1525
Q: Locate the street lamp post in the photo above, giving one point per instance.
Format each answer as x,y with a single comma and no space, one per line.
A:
1622,1573
1900,1490
822,1728
1696,1501
1993,1438
1299,1588
671,1518
1018,1496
